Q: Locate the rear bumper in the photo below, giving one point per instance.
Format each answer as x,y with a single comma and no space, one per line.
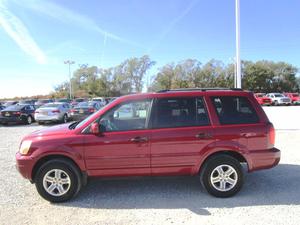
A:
4,119
24,164
48,118
263,159
79,117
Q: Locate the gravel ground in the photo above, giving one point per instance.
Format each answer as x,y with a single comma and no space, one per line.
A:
268,197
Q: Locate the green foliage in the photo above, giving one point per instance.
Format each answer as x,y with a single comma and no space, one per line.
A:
128,77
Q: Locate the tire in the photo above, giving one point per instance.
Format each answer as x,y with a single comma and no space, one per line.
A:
28,120
61,177
65,118
211,170
276,103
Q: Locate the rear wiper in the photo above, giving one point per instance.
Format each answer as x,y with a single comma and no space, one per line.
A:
73,125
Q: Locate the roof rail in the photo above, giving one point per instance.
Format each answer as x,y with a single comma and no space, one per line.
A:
199,89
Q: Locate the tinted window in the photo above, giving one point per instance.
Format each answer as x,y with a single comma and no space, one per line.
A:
51,105
127,116
234,110
180,112
278,95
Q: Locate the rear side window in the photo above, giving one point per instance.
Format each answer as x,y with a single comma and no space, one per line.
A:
180,112
234,110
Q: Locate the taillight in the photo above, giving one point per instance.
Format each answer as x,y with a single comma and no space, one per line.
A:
17,113
271,135
72,110
56,111
91,110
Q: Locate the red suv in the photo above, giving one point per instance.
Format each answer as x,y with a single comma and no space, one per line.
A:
207,133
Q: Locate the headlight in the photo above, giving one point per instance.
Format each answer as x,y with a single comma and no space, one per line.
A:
25,146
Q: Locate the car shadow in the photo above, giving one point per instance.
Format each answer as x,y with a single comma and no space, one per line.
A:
278,186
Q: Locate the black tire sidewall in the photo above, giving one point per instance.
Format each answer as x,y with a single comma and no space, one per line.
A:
65,118
27,118
211,164
66,167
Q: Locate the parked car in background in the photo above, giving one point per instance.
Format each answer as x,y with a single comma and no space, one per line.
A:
279,99
208,134
27,102
101,101
295,98
66,100
9,103
2,107
77,100
84,109
17,114
53,112
41,102
263,99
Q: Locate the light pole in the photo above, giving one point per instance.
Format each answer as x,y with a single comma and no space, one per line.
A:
70,62
238,76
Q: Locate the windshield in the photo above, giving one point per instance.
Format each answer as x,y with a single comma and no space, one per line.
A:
79,100
63,100
278,95
14,107
43,101
80,123
82,104
50,105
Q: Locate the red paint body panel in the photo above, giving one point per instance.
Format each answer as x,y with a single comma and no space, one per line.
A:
295,98
166,151
263,100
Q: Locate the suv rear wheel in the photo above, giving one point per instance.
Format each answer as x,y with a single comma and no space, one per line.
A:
58,180
222,176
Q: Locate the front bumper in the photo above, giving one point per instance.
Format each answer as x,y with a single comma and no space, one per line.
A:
24,165
263,159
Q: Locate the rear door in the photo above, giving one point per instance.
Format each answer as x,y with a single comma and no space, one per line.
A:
181,131
239,124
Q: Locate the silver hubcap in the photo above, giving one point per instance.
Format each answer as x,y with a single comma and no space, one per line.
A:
65,118
224,178
29,119
56,182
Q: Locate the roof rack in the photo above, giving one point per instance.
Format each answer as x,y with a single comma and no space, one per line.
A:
199,89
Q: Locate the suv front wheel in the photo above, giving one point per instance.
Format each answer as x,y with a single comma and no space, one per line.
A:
58,180
222,176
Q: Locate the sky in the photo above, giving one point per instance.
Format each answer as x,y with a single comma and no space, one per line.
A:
37,36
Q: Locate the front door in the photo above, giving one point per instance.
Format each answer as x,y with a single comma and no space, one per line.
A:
123,147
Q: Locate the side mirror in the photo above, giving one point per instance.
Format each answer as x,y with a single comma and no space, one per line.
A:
95,128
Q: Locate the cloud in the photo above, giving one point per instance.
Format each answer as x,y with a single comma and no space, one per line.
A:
68,16
173,23
16,29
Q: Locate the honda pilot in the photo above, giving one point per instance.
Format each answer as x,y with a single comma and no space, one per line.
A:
206,133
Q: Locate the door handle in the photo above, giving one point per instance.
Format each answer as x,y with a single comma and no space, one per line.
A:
139,139
203,135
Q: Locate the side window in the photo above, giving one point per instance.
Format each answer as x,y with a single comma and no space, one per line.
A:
234,110
127,116
201,117
179,112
